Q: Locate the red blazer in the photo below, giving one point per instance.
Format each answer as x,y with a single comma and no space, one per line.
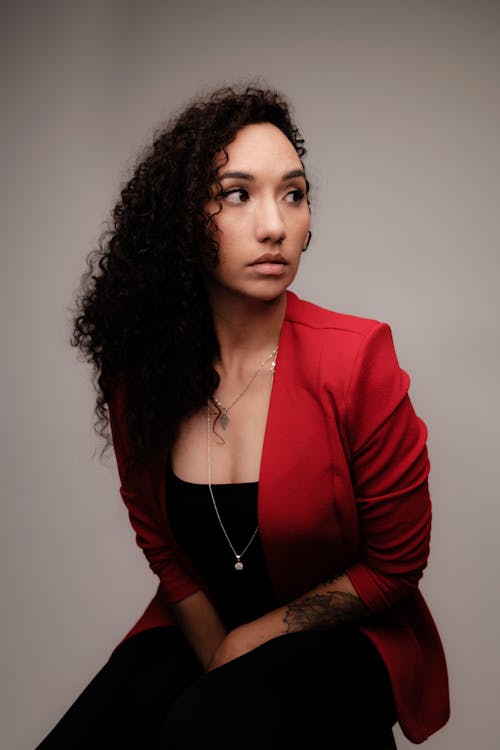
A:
343,486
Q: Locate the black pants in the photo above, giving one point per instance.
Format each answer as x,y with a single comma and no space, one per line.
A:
326,686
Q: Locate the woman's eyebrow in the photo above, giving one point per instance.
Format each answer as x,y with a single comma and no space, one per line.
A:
237,175
294,173
247,176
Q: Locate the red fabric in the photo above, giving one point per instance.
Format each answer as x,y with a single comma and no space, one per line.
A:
343,486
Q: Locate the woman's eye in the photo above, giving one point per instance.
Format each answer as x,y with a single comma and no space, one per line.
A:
294,196
236,195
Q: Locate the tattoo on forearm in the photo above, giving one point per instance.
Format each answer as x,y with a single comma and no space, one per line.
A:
322,611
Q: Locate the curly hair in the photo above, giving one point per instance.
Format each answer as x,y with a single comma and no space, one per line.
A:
142,315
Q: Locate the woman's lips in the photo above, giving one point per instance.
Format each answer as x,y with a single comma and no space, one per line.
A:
267,268
269,264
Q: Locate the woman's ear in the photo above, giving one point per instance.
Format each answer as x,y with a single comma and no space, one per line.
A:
309,235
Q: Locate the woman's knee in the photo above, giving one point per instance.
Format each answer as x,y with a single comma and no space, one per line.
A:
222,707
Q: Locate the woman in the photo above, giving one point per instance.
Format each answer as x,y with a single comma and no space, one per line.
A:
270,459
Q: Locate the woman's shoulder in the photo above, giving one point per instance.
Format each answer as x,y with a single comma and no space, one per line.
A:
311,315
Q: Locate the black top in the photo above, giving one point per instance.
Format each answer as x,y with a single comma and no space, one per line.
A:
240,595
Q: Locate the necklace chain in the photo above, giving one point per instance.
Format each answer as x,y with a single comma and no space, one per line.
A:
224,416
238,565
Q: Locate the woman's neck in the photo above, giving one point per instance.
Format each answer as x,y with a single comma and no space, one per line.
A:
247,330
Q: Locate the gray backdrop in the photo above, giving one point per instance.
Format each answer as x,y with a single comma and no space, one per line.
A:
399,105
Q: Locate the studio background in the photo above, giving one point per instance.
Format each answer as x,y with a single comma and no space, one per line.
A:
399,106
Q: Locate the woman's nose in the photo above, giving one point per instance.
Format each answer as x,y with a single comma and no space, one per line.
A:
269,222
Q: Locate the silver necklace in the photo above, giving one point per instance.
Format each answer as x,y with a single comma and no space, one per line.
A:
224,410
238,565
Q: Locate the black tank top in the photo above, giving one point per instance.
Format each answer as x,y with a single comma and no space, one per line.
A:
240,595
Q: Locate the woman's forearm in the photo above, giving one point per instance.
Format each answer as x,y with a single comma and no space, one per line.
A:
330,603
200,623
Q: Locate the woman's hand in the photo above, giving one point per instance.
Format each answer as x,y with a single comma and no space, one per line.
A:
236,643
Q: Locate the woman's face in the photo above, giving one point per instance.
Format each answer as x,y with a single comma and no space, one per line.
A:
264,221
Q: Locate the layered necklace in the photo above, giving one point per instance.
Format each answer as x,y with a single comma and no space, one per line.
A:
224,410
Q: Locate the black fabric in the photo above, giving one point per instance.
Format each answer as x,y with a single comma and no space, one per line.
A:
300,689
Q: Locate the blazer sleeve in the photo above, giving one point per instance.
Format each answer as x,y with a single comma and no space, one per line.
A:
389,470
139,489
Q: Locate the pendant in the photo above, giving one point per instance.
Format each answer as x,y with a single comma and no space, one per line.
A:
224,419
238,565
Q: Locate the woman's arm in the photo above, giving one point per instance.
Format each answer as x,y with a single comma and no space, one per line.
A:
200,623
326,605
195,614
139,490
